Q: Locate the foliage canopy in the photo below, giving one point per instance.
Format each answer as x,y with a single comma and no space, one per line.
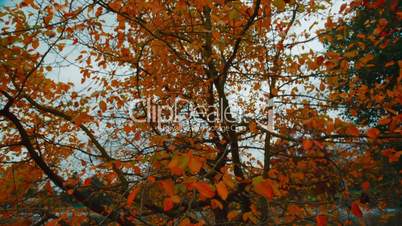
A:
104,151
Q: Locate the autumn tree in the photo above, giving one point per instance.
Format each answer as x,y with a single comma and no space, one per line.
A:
109,150
366,41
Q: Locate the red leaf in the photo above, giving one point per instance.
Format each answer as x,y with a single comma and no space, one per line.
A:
307,144
353,131
167,204
342,8
83,163
356,210
322,220
48,188
132,195
87,182
373,133
365,186
137,136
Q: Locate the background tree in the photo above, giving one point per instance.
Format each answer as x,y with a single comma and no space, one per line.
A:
372,30
367,43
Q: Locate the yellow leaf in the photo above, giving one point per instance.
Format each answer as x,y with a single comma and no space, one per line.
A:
279,4
175,199
351,54
185,222
61,46
178,164
228,180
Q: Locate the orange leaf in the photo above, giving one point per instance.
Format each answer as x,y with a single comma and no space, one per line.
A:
232,215
127,129
35,43
222,190
82,118
216,204
28,2
167,204
253,127
185,222
48,188
204,189
384,121
103,106
263,187
132,195
195,164
353,131
373,133
322,220
257,86
356,210
228,180
175,199
168,186
178,164
54,222
307,144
